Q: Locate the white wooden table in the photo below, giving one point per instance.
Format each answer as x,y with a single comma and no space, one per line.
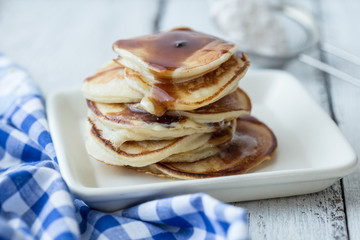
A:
62,42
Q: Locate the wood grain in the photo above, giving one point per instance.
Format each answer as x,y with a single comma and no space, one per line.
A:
340,28
312,216
63,42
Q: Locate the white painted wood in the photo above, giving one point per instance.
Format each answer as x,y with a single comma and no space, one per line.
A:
63,42
342,30
314,216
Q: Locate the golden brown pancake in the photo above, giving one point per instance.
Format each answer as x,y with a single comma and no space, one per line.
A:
173,56
216,143
139,153
230,107
108,85
128,124
252,144
190,95
193,155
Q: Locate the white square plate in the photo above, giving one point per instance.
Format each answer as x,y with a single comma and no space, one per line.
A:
312,152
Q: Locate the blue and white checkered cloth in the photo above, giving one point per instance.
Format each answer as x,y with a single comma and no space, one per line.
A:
35,202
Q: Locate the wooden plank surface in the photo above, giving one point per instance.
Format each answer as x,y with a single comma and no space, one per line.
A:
62,42
340,28
312,216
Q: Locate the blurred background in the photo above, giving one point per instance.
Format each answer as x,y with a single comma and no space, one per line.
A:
63,42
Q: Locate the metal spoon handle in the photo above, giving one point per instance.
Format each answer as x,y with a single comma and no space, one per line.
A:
338,52
329,69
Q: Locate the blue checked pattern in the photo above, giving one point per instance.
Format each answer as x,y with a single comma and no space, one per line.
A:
35,202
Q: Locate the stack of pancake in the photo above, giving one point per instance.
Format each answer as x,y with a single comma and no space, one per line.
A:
170,106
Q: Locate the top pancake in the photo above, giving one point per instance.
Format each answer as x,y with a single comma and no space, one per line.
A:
174,56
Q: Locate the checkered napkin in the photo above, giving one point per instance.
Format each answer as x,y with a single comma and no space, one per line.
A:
35,202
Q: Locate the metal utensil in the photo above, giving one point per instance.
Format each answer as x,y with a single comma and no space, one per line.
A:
305,24
330,69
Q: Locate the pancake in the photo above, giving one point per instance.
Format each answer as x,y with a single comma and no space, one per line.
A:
129,124
252,144
173,56
216,143
120,135
190,95
230,107
139,153
170,106
108,85
133,124
193,155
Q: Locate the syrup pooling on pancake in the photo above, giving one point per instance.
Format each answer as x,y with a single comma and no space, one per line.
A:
173,56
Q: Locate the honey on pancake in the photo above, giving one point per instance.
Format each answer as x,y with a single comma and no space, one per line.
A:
167,51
